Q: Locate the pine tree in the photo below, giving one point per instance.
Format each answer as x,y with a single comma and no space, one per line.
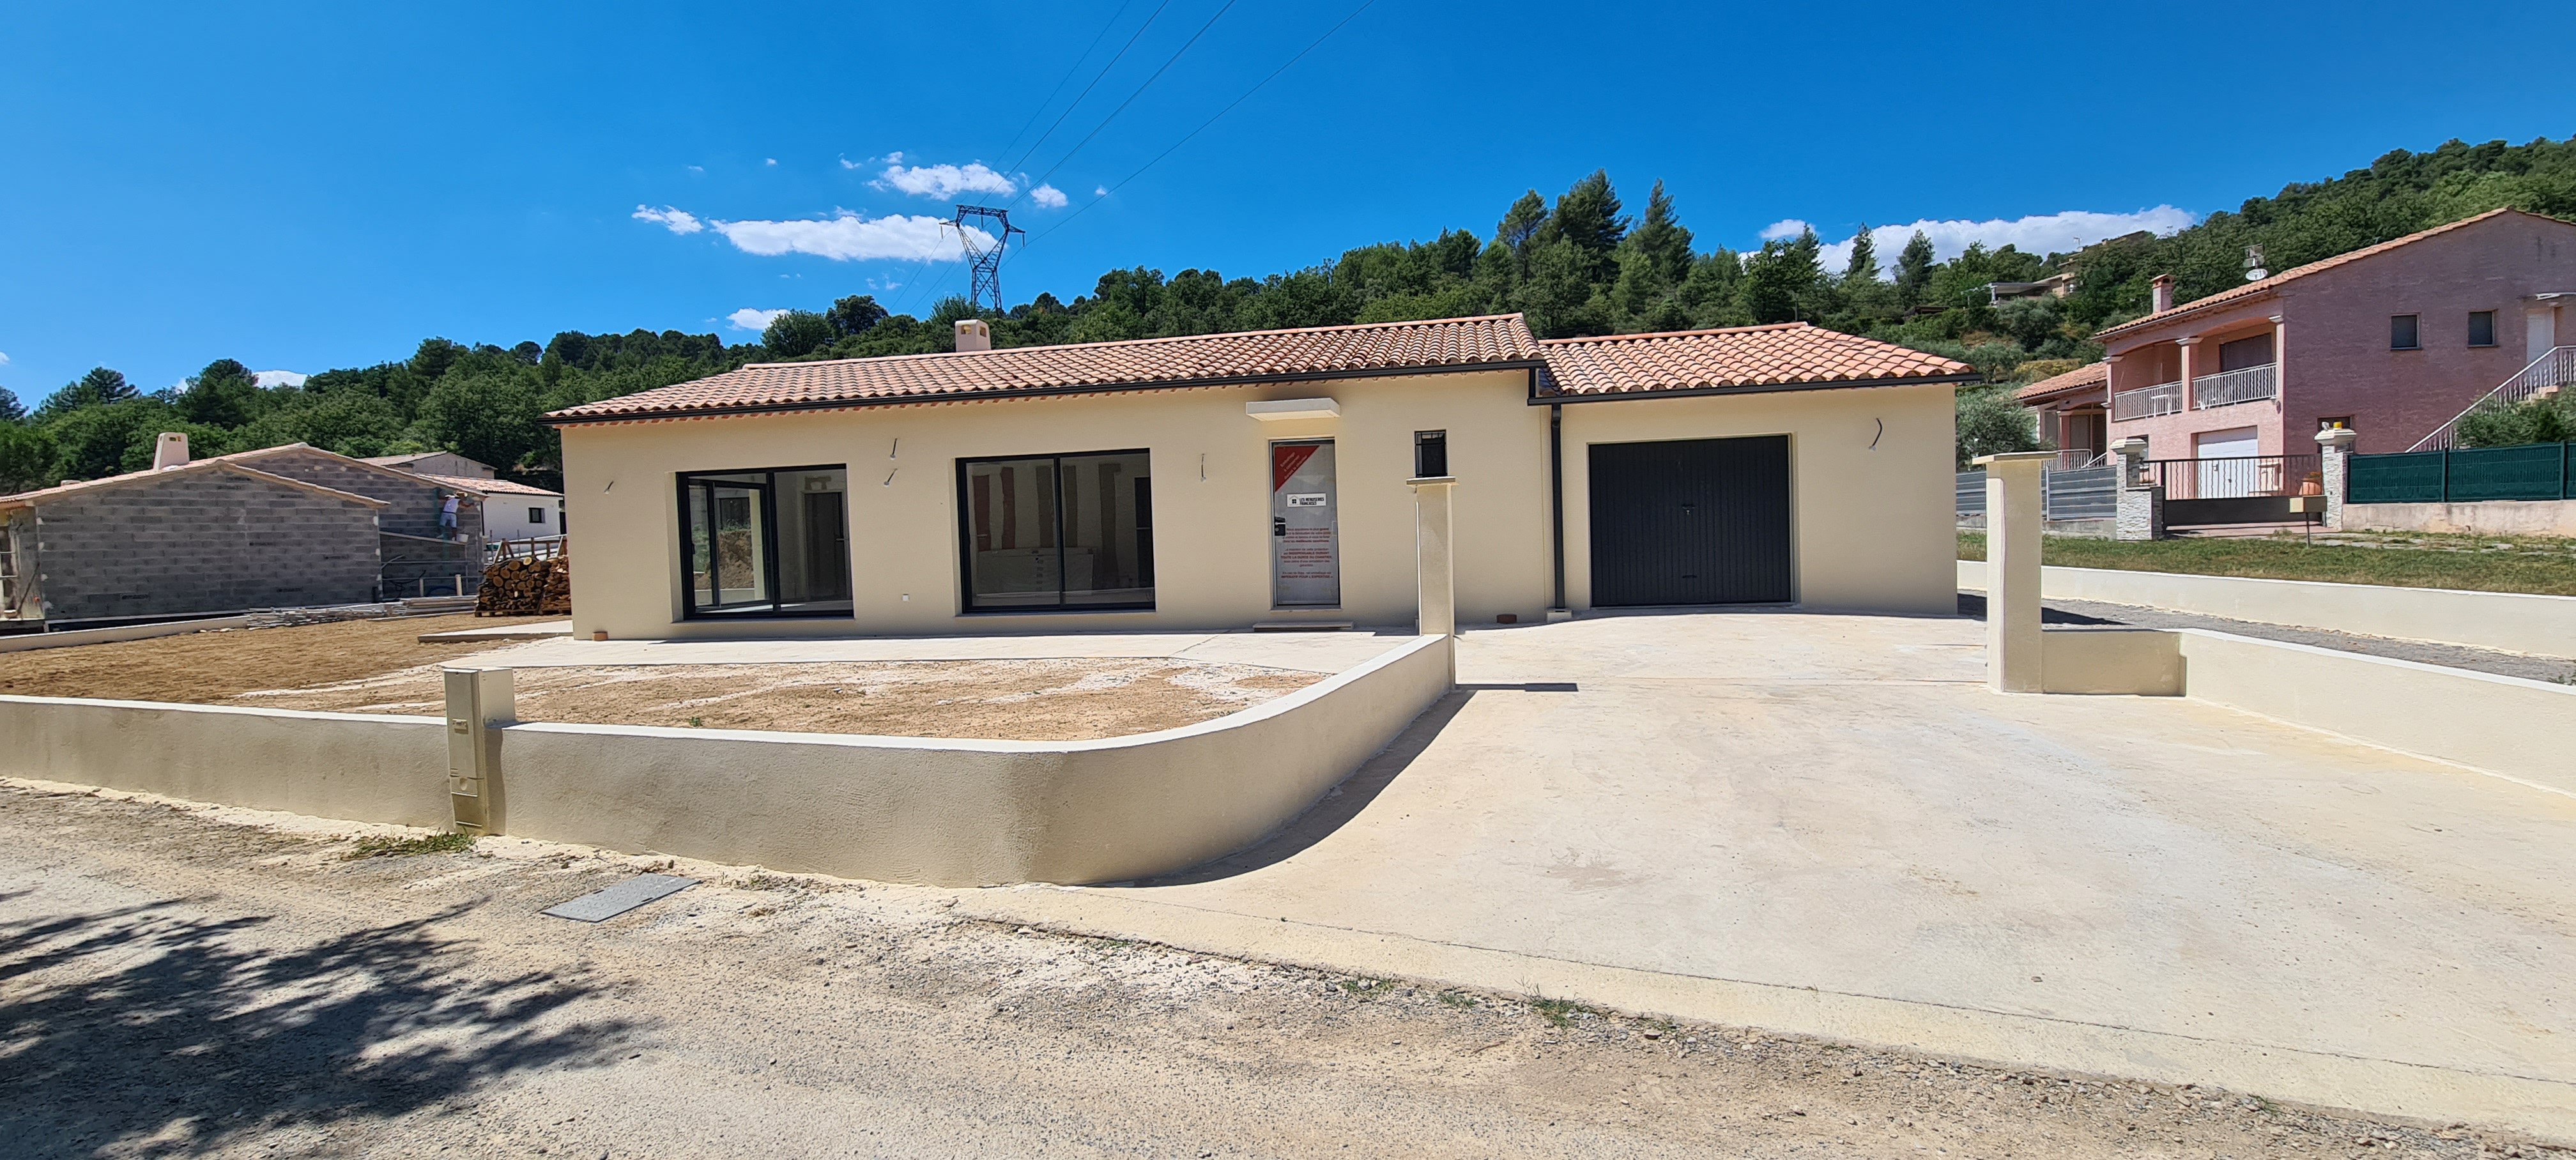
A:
1914,270
1863,266
1654,260
1519,227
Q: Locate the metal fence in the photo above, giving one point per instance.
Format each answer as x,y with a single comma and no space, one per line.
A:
2531,471
2238,477
2237,386
2147,402
2084,493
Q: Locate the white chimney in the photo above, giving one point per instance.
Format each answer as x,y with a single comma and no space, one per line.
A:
171,451
974,334
2160,290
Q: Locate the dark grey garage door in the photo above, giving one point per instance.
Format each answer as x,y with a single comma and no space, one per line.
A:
1694,521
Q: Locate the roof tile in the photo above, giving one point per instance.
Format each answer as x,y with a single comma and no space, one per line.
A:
1788,354
1141,363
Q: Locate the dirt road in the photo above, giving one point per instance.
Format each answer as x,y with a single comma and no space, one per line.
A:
213,982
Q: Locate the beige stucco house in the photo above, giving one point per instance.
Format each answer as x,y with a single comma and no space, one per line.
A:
1230,480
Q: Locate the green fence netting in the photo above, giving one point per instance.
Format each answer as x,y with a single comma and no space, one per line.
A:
2531,471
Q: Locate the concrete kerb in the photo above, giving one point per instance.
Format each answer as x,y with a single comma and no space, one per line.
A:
2505,621
2381,1087
75,636
897,809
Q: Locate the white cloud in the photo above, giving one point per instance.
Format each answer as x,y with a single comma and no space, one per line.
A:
678,221
750,319
4,358
1100,191
851,237
697,169
280,378
1784,229
1049,196
769,161
942,180
2038,234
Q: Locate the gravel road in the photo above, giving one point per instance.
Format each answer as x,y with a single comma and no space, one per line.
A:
188,980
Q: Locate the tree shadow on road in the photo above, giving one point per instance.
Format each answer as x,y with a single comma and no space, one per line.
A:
144,1031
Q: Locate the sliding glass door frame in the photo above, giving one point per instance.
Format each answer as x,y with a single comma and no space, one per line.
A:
766,515
966,536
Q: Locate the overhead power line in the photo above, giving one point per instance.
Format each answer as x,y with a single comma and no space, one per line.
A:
1041,107
1131,97
1096,78
1203,125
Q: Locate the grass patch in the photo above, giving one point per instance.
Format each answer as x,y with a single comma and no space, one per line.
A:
406,847
1367,988
1561,1012
2544,567
1459,999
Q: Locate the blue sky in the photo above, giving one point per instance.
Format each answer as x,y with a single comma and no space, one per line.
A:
303,187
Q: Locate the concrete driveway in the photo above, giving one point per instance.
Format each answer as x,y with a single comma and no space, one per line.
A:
1826,824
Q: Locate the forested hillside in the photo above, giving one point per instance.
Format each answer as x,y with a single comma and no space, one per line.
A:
1583,263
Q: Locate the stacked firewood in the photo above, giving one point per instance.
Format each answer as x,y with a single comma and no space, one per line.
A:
526,587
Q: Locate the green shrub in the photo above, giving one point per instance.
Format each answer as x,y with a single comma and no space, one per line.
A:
2550,420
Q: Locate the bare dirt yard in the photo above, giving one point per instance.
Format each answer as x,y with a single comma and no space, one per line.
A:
378,666
191,980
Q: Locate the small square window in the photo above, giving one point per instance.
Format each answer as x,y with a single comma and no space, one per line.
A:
536,515
2482,328
2403,332
1430,454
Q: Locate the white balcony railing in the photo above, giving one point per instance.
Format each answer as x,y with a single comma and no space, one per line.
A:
2248,385
2147,402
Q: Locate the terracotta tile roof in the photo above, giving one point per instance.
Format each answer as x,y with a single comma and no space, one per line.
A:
1198,360
2268,285
486,486
1788,355
2089,375
222,463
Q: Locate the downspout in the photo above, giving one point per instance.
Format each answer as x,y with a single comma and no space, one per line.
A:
1556,491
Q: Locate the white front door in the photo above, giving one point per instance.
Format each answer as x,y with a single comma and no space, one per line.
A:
1305,551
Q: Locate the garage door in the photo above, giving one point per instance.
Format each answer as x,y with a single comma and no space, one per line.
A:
1695,521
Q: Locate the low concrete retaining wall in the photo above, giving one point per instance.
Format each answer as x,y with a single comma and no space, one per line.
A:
2507,725
2140,662
902,809
35,640
2542,625
2494,517
333,765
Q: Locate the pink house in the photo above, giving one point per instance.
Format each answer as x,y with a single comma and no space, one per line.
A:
2393,340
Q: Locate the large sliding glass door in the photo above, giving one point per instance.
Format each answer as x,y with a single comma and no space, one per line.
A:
1057,531
766,543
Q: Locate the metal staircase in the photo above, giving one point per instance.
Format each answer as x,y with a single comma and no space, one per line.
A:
2546,375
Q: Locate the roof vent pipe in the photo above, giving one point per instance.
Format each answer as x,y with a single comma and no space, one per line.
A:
171,451
2160,290
974,334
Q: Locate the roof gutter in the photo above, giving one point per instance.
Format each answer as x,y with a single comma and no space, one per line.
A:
1530,365
1538,400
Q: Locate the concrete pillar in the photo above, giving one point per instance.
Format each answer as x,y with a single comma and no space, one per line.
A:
2334,448
1436,597
2280,366
2012,570
2187,343
2140,514
479,702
